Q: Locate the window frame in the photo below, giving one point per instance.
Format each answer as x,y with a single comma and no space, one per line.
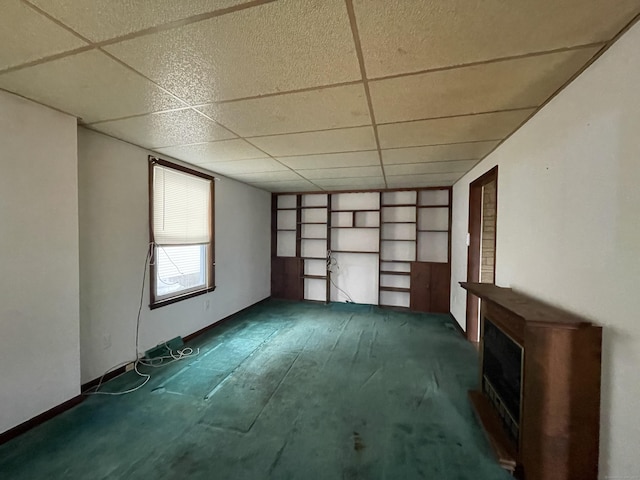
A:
210,285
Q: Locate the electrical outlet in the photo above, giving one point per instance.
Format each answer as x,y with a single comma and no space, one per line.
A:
106,341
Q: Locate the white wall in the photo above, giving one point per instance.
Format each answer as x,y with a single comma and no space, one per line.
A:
39,343
114,235
568,227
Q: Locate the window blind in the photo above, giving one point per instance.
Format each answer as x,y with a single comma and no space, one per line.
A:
181,206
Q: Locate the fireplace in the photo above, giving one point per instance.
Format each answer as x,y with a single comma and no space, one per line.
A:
539,396
502,377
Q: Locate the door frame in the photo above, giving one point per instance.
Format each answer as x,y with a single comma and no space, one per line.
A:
474,255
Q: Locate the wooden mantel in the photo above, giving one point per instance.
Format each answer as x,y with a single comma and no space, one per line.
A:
560,392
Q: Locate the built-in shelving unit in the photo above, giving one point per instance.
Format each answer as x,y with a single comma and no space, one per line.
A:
362,246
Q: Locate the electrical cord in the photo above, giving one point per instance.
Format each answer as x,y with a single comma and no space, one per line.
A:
331,263
180,354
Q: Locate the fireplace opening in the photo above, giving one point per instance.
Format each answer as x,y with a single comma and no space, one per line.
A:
502,376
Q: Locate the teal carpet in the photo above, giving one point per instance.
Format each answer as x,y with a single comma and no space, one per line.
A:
283,391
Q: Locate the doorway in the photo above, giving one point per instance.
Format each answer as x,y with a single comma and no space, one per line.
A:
481,263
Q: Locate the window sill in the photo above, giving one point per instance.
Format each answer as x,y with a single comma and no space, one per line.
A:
179,298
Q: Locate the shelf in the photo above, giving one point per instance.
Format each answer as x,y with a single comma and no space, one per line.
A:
395,289
397,261
433,206
311,238
286,230
311,223
407,223
315,277
313,258
356,211
397,239
398,205
300,208
391,272
356,227
441,231
354,251
313,206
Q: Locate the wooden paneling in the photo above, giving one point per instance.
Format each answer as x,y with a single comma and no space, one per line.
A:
440,287
430,287
286,278
420,286
560,423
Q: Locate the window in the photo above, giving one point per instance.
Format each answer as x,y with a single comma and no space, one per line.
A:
181,216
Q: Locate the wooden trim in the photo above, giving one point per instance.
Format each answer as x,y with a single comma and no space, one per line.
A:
457,325
120,370
474,256
39,419
105,378
450,207
152,241
369,190
203,330
181,168
211,257
274,225
328,249
186,296
211,261
298,225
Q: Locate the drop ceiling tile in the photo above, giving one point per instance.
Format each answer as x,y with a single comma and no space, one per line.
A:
165,129
509,84
438,153
341,172
332,160
279,46
402,36
255,165
321,109
89,85
423,180
285,175
327,141
26,36
433,167
485,126
106,19
356,183
213,152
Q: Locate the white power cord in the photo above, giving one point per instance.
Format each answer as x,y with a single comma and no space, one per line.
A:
333,267
181,354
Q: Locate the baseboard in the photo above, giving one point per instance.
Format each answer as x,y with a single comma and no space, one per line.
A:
108,376
58,409
39,419
458,327
222,320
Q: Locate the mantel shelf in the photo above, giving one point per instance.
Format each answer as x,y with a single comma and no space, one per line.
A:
530,310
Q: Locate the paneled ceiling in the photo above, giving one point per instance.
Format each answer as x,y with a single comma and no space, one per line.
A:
305,95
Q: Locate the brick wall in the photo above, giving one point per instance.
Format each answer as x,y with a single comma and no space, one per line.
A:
489,206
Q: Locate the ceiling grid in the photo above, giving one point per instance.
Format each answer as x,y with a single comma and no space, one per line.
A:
301,95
